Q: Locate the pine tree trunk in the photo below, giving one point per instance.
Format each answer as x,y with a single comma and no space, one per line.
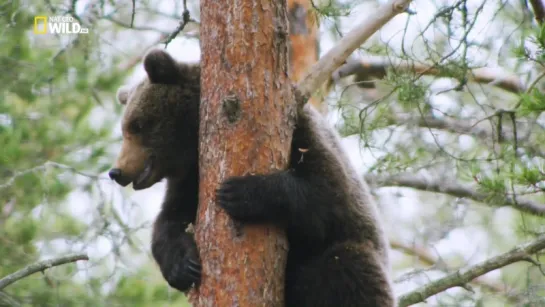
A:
247,117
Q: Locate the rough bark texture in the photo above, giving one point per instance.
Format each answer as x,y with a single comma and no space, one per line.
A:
247,117
304,44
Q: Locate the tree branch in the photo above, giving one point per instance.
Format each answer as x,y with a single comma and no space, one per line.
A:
427,257
40,266
377,66
465,275
186,18
464,127
423,255
453,189
324,68
539,10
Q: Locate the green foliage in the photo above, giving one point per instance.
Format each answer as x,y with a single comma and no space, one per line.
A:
410,91
50,139
531,176
493,185
52,144
330,8
470,139
454,69
532,103
133,290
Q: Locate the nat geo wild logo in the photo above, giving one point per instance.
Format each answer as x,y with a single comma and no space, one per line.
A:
58,25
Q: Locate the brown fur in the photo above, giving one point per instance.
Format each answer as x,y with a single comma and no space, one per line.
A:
338,251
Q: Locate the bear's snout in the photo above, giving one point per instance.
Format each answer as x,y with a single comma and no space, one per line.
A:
117,176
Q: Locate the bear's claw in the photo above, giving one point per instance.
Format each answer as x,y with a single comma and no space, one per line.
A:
184,274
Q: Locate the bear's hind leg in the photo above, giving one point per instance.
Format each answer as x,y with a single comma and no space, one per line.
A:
178,261
347,274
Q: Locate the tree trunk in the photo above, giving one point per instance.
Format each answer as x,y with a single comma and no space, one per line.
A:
304,44
247,116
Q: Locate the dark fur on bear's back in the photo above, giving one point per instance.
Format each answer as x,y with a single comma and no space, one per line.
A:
338,251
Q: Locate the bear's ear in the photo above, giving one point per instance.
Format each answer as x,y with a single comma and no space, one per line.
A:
161,67
123,95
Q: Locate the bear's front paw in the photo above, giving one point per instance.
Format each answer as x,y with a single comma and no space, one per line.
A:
235,196
185,273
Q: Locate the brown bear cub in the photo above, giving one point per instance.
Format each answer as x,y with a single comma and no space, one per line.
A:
338,251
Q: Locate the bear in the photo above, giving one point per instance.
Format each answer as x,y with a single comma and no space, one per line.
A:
338,251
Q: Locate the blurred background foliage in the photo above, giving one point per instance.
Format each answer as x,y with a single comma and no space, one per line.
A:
56,121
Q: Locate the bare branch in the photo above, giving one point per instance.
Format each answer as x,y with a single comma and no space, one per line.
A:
324,68
462,276
423,255
465,127
40,266
377,66
455,189
133,12
427,257
539,10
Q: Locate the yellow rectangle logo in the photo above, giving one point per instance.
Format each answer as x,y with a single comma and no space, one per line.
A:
40,20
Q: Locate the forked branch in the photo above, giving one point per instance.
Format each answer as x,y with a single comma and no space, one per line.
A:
324,68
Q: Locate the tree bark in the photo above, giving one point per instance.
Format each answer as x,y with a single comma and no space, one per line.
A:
247,117
303,45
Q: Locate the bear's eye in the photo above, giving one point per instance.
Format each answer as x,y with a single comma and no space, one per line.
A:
136,126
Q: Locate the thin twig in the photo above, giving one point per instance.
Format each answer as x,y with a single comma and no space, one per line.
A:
186,18
133,12
40,266
463,276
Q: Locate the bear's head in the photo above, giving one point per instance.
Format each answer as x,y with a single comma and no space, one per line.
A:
160,123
